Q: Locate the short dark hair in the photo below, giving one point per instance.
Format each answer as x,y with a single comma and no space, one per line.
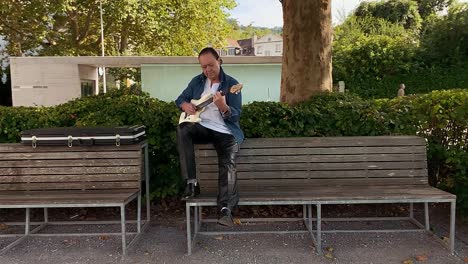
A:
209,50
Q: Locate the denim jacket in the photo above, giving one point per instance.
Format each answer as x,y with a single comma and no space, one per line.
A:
195,89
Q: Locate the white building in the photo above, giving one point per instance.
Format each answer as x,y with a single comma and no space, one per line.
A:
268,45
48,81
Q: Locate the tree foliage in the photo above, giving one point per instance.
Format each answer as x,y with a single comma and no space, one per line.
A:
374,55
245,32
444,40
403,12
150,27
430,7
371,48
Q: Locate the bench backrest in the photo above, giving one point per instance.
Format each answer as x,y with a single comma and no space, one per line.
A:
335,161
23,168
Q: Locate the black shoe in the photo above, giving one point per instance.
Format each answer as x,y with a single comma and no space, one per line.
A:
225,218
191,190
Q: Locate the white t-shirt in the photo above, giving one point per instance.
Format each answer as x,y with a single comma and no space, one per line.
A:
211,117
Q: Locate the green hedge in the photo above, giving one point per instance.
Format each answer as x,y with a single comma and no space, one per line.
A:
440,116
417,82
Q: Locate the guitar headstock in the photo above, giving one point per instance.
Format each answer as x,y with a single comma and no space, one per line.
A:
235,89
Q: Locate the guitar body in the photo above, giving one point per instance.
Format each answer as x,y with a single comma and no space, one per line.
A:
195,118
200,106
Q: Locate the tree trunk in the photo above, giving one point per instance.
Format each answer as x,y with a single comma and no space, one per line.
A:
307,56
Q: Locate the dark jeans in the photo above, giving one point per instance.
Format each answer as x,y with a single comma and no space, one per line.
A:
226,146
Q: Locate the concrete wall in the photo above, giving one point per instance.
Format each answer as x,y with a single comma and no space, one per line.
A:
42,84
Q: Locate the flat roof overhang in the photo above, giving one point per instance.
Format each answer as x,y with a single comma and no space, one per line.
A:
137,61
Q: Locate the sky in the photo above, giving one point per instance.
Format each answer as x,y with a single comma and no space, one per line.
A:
268,13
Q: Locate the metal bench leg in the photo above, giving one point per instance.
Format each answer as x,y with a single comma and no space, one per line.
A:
148,211
19,240
122,220
195,221
139,213
319,229
200,217
452,226
411,210
28,220
304,212
189,233
426,215
46,216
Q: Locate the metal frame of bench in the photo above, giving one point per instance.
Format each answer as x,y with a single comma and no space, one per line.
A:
316,234
140,224
309,220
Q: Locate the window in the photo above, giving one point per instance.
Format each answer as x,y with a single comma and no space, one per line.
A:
259,50
278,47
267,53
232,52
87,88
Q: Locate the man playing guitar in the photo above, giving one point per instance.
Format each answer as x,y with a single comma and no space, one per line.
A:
219,125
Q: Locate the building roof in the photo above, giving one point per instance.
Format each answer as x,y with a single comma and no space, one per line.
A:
245,42
269,38
232,43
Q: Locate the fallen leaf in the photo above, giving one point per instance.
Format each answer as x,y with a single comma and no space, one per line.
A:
329,249
3,226
465,259
445,239
70,242
408,261
218,237
421,258
104,237
329,255
237,221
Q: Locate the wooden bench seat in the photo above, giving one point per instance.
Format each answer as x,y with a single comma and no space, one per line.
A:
318,171
78,176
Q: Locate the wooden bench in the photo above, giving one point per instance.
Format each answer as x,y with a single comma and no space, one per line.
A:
322,171
79,176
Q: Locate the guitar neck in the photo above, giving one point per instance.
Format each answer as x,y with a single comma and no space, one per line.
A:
207,101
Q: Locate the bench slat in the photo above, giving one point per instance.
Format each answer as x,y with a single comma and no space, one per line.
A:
319,166
317,158
320,174
65,197
70,186
15,147
339,193
69,155
67,178
69,170
320,150
299,184
330,142
69,163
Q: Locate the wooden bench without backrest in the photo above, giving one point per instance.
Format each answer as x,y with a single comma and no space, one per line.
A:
78,176
328,170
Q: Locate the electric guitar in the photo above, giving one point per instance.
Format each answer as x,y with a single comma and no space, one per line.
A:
201,103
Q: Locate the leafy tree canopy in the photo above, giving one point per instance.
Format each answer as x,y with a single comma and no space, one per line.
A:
403,12
150,27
